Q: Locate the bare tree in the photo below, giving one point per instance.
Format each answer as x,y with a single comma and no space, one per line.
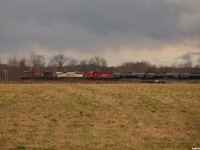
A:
72,65
174,65
188,64
180,65
37,62
72,62
23,65
97,63
58,61
133,67
151,68
83,65
13,70
125,67
198,62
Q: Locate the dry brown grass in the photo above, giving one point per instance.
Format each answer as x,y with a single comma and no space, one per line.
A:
99,116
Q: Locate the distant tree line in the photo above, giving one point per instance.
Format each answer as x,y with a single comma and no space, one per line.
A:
16,66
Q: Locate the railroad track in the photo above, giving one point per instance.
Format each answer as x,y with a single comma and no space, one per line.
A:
84,81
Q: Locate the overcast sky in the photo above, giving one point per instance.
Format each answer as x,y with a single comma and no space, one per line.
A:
159,31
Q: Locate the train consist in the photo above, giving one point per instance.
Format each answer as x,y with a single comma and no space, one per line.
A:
27,75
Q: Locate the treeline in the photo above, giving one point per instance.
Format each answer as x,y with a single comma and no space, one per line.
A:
16,66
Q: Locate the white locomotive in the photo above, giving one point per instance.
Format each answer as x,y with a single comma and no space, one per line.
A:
75,74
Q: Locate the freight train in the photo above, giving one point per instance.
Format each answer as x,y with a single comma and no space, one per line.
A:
27,75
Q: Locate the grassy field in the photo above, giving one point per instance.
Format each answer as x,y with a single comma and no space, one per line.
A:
99,116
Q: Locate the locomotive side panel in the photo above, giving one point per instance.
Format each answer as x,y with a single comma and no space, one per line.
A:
31,75
104,75
99,75
69,74
89,75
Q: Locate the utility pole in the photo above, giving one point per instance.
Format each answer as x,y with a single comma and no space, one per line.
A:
6,78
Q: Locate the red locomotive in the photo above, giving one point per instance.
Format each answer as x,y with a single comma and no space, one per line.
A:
31,75
99,75
37,75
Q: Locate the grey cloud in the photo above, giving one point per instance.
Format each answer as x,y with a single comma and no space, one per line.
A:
154,18
189,56
93,24
186,57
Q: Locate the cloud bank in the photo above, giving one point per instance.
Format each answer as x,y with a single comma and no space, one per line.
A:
158,30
